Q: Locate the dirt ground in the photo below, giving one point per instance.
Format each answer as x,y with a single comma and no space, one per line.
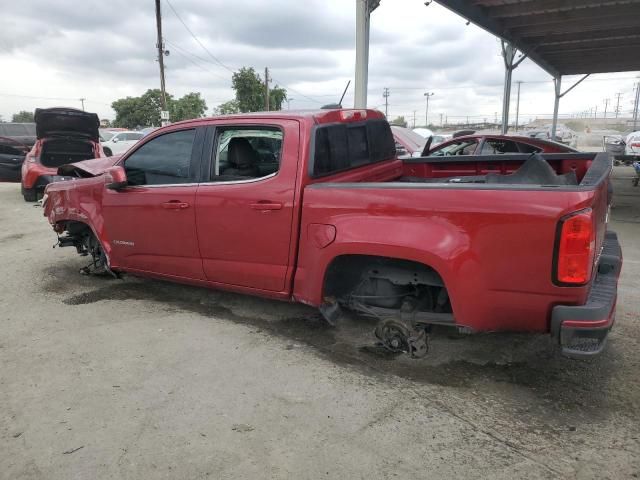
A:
105,378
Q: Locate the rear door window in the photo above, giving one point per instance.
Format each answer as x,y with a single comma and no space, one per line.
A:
244,153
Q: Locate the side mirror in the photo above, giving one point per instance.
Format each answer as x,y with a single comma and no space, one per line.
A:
115,178
114,139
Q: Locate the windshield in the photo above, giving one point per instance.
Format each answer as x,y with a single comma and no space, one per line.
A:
106,135
14,130
462,147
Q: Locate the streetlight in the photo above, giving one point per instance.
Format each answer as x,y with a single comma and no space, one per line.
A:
289,100
426,113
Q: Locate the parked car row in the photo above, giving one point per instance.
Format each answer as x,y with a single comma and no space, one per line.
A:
31,153
563,134
411,144
117,142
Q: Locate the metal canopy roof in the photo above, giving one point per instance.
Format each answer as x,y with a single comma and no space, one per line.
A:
564,37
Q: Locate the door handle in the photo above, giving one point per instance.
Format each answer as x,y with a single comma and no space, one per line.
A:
266,205
175,205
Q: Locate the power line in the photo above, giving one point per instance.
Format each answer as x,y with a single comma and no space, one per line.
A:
455,87
183,53
215,59
223,65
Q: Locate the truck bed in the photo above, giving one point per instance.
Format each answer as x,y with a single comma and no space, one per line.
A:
559,169
492,242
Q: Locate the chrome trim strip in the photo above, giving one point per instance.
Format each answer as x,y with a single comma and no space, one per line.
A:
230,182
235,182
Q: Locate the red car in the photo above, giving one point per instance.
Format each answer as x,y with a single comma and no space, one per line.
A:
315,207
63,135
479,144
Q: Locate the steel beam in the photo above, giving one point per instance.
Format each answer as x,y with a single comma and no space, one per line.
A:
550,6
477,15
559,94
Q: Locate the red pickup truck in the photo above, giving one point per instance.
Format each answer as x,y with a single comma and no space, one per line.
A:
315,207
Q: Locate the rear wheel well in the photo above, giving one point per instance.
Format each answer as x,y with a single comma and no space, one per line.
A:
384,282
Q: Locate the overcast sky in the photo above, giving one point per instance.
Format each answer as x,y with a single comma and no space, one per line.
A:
53,53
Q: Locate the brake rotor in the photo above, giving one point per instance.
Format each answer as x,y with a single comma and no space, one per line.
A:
397,337
393,336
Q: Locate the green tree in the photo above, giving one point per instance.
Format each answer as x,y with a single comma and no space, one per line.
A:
399,121
249,89
23,116
277,96
191,105
227,108
132,112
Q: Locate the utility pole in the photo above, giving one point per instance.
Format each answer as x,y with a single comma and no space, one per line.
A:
289,100
82,101
441,120
606,105
266,89
595,112
619,94
519,82
160,46
635,107
426,112
385,94
414,118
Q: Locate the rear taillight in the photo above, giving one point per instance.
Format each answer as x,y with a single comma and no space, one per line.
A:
575,248
635,145
353,115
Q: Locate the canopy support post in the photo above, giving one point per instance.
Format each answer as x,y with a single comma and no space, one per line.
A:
557,83
363,16
509,53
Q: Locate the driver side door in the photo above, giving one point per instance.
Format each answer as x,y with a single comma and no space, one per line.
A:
151,224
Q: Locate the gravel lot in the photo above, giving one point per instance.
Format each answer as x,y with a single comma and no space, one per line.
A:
104,378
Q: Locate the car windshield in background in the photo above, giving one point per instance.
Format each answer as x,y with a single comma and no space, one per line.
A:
106,135
462,147
17,129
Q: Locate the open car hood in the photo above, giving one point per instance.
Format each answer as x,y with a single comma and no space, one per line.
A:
66,122
88,168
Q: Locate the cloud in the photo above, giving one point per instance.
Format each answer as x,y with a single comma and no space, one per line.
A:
104,50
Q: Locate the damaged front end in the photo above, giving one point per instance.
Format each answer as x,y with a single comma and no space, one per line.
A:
82,238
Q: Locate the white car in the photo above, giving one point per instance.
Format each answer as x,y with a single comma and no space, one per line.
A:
633,143
423,132
115,143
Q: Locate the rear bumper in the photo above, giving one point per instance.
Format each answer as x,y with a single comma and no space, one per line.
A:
582,330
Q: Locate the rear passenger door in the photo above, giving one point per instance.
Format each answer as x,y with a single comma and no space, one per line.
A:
244,209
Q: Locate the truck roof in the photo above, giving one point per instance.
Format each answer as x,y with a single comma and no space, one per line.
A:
316,116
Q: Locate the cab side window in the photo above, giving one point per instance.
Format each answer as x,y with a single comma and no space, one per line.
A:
162,161
243,153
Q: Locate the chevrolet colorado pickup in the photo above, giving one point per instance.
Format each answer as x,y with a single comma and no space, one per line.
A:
315,207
